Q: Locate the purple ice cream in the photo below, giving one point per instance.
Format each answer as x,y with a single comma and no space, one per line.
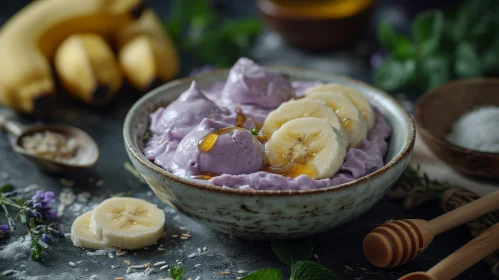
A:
252,84
253,91
236,152
184,114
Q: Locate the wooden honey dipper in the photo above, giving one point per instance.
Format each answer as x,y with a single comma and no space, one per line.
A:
396,242
456,263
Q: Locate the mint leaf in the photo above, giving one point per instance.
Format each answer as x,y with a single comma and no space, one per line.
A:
386,36
404,48
292,251
394,73
437,71
467,61
311,271
264,274
427,31
177,272
6,188
254,131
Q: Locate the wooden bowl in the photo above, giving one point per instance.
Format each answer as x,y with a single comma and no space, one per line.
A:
436,112
314,29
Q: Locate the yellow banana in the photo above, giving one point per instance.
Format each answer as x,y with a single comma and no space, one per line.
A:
146,53
29,39
87,68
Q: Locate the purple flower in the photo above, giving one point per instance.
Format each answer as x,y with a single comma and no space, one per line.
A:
34,213
42,201
377,59
4,229
44,197
46,239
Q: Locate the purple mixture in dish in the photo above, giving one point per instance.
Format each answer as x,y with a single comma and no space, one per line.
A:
235,160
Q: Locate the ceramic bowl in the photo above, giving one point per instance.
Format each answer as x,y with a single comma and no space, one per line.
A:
436,112
309,30
270,214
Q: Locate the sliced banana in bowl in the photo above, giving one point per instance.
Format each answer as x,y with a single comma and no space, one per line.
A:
128,223
309,146
81,236
357,99
352,120
301,108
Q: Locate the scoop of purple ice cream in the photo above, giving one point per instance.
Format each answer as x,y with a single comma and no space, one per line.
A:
184,114
236,152
252,84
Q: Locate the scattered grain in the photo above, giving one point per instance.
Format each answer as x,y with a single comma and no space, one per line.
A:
127,262
199,250
241,271
164,267
8,272
148,271
114,266
100,183
316,257
197,265
204,249
159,263
128,270
72,264
110,255
225,272
174,235
137,266
192,255
119,278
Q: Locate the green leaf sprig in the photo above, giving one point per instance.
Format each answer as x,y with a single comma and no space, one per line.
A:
296,254
444,46
199,31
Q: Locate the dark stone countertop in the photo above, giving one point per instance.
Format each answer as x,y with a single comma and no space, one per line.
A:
339,250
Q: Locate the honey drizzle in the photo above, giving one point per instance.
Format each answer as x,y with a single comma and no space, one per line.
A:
240,117
293,170
208,142
204,176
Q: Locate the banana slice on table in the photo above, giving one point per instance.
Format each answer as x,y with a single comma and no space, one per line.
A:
301,108
309,146
128,223
358,100
352,120
81,236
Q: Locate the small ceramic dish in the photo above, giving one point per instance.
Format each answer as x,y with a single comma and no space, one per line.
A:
436,112
270,214
317,26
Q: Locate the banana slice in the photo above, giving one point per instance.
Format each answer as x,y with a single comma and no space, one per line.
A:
309,146
352,120
301,108
358,100
82,236
128,223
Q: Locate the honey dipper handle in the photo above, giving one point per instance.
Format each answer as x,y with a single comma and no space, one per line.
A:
471,253
465,213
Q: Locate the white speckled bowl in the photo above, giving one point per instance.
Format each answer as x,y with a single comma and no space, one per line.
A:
270,214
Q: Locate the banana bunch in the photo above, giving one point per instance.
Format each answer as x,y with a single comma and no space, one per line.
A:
79,38
121,222
311,135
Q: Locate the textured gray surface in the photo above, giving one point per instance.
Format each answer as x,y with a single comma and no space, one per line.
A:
336,249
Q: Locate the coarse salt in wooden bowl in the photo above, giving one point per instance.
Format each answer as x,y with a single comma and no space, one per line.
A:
437,111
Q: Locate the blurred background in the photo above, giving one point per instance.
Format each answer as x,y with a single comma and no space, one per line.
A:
404,47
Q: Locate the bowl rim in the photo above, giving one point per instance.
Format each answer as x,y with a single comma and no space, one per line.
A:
418,112
274,10
139,155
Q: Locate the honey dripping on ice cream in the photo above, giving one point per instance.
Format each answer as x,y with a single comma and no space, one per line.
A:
292,170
